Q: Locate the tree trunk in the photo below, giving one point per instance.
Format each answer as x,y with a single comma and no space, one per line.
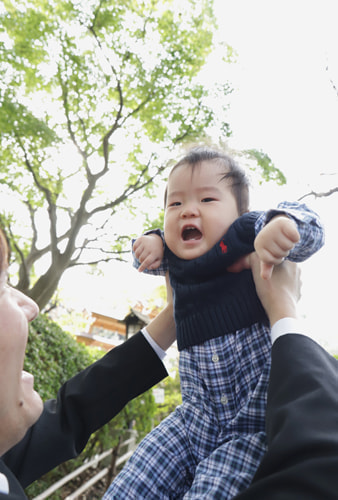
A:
44,288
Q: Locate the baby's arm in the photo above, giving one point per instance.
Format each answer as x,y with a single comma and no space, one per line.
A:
275,242
148,250
308,225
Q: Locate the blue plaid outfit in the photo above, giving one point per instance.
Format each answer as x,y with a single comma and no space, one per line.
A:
211,445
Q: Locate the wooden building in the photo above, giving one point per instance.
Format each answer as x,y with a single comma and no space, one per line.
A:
107,332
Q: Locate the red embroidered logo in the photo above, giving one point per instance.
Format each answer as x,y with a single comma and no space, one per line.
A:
223,246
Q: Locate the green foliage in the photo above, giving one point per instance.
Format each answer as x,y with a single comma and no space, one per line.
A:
268,170
157,223
91,95
53,356
95,98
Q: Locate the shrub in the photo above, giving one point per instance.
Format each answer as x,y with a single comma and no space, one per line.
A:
53,356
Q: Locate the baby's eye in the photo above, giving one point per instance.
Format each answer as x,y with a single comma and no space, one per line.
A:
207,199
175,204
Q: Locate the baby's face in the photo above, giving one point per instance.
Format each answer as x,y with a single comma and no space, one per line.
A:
200,208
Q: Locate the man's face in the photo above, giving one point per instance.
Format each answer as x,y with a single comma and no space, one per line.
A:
200,208
21,406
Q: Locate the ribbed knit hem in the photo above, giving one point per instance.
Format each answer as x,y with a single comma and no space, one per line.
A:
242,309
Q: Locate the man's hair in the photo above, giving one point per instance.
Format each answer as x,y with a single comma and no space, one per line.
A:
239,183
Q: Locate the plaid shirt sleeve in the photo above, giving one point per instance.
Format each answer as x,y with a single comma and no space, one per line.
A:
309,227
163,268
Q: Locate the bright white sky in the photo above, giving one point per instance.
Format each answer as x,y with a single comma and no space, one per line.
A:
284,104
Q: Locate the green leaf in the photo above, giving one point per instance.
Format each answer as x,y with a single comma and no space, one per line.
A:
269,171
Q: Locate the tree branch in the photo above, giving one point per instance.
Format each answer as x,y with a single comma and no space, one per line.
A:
76,263
30,169
319,195
47,193
130,189
332,82
118,116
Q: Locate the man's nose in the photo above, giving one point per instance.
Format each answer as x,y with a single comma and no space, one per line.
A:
28,305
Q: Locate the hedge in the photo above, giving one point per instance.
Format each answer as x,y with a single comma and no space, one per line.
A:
53,356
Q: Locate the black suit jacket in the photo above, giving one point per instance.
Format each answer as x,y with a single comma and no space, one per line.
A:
302,425
84,403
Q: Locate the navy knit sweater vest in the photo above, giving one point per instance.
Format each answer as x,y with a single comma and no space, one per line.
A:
209,301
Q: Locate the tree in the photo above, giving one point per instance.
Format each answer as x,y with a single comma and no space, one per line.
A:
92,94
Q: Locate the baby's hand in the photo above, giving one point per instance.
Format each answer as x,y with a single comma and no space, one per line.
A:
148,249
274,243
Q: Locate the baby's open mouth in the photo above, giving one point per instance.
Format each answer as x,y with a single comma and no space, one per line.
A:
191,233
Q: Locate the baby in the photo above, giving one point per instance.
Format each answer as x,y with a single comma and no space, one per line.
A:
211,445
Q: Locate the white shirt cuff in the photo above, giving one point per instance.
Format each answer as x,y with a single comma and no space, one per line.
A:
285,326
159,351
4,487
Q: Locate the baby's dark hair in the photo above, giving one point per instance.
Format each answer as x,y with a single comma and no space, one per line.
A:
232,171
